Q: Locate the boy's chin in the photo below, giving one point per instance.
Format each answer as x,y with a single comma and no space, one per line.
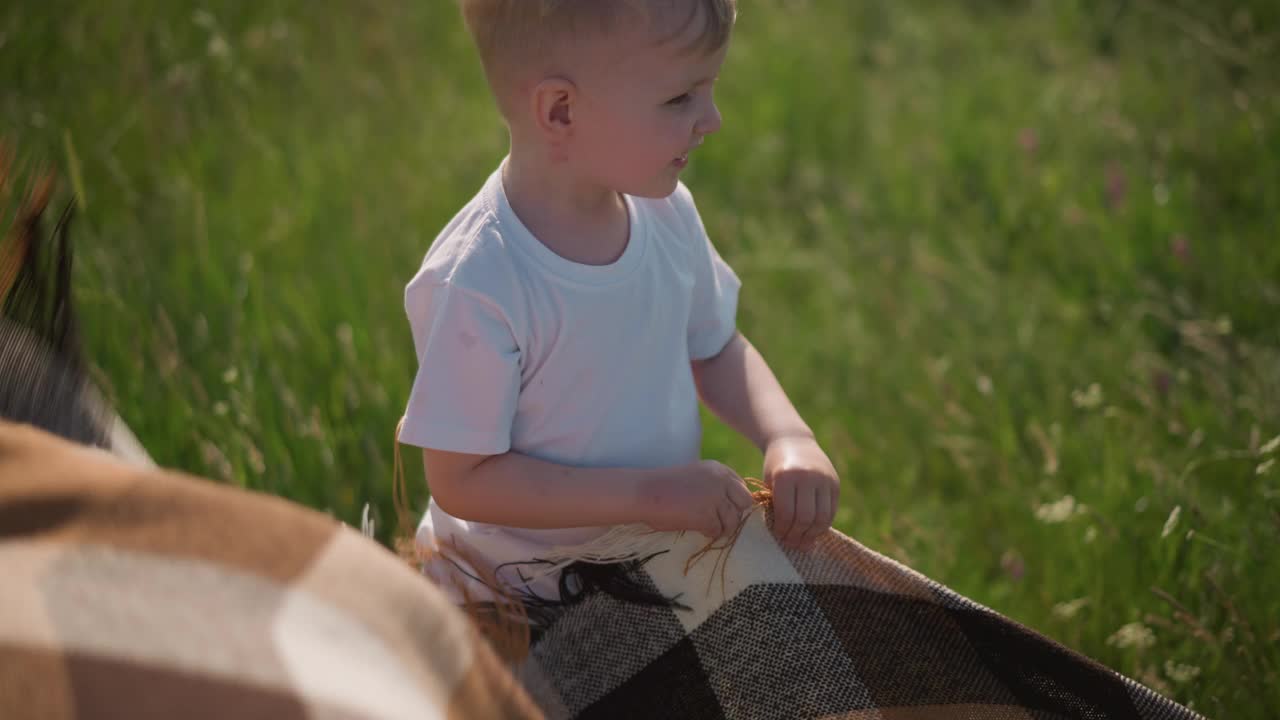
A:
657,190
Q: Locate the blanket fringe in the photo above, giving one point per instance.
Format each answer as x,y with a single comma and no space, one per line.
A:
609,563
619,544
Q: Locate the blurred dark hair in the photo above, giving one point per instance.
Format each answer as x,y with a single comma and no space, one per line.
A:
43,378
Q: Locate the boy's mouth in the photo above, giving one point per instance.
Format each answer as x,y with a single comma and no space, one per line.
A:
682,161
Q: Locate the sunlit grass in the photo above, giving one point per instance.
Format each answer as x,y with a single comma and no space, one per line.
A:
1016,262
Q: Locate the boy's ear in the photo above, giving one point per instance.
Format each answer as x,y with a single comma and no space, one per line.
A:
554,104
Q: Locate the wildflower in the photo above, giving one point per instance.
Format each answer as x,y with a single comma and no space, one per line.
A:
1180,673
1160,193
204,19
1067,610
1088,398
345,334
1011,562
1117,186
218,47
985,385
1133,635
1058,511
1028,140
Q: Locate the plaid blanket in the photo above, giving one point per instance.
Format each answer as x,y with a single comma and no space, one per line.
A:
838,631
128,592
131,592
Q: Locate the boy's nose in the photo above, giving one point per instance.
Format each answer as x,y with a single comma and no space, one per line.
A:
709,122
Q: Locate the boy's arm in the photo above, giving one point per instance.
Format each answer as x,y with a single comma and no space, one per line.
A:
738,386
517,490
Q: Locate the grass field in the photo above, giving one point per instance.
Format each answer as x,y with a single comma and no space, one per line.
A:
1018,263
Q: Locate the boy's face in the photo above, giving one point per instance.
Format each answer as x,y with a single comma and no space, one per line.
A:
642,108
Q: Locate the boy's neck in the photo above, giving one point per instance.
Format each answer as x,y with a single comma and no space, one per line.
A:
580,221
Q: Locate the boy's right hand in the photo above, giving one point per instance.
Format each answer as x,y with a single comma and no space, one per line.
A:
705,496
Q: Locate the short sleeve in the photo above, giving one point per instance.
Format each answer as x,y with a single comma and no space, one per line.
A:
713,316
464,395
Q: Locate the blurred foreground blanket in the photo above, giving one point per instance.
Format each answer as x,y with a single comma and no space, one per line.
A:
128,592
763,631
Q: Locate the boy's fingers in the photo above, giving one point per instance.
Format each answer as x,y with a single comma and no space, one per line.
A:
806,500
713,530
784,509
729,519
832,506
823,516
741,497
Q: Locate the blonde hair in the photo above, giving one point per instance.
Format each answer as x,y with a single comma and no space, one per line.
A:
512,35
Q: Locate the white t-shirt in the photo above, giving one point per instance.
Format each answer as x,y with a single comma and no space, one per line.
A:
520,349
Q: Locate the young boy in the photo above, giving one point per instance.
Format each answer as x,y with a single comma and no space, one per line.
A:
570,317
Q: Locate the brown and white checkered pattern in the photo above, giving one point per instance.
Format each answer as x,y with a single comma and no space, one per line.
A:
143,594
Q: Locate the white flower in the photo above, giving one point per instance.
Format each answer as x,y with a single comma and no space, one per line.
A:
1180,673
1133,635
1067,610
1058,511
1160,193
345,335
218,47
1089,398
204,19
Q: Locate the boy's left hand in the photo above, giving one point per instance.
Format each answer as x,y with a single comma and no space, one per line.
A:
806,490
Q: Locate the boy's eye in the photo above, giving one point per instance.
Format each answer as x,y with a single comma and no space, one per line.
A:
679,100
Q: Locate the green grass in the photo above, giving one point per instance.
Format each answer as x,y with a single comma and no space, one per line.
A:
999,253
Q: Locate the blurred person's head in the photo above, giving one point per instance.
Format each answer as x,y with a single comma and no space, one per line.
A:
44,381
619,90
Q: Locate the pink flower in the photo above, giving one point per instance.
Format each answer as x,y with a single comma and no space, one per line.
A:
1011,562
1028,140
1161,381
1117,186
